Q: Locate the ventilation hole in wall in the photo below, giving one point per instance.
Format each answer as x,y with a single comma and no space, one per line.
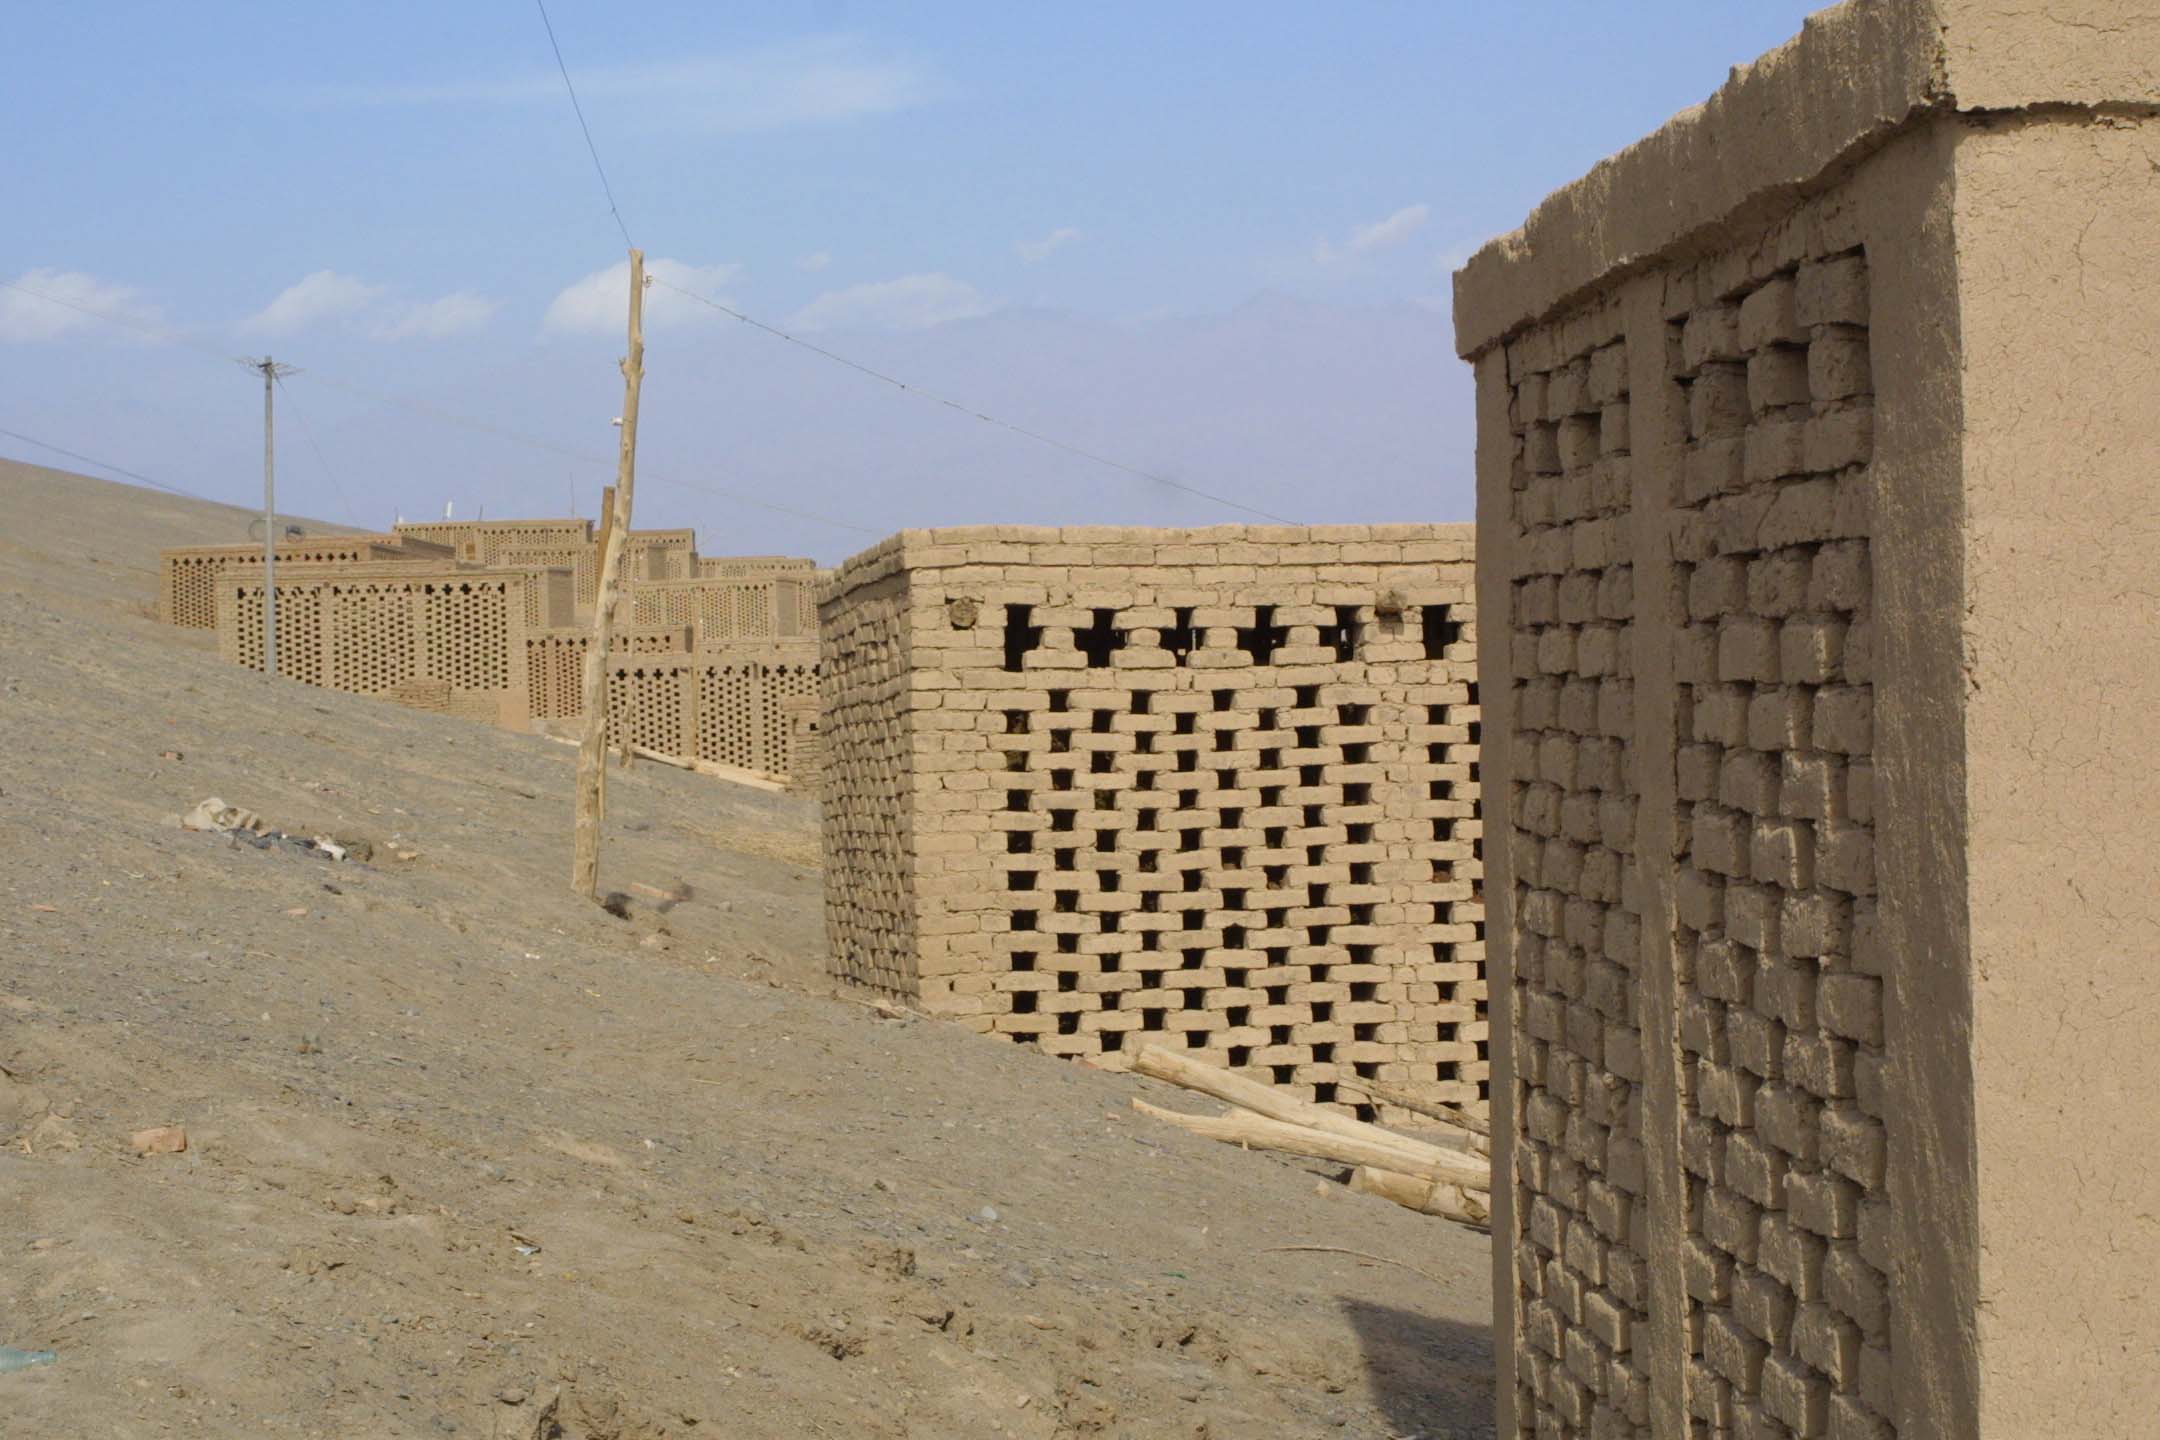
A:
1099,763
1151,1019
1061,819
1060,701
1023,920
1017,799
1063,859
1016,722
1068,944
1019,842
1439,629
1283,1074
1307,696
1023,1002
1100,640
1186,721
1342,636
1021,637
1264,637
1181,639
1112,1040
1069,1023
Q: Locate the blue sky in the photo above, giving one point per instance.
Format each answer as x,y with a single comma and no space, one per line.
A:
1210,240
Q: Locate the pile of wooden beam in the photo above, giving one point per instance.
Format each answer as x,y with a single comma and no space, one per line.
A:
1452,1180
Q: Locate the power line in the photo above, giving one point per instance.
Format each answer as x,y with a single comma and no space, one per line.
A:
775,331
427,411
991,420
134,475
537,442
155,332
344,500
598,168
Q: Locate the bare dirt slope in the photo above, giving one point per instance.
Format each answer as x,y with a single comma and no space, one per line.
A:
466,1157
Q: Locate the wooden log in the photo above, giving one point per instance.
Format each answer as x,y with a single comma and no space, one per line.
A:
1439,1110
592,750
1267,1100
1259,1133
733,774
1427,1197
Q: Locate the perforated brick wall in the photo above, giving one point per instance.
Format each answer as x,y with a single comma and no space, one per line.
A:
373,630
1813,498
724,611
661,555
1213,789
191,575
1775,1013
737,567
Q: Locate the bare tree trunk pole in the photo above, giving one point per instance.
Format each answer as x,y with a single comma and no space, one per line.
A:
592,752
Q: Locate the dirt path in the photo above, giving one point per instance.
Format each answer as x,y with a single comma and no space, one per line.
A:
468,1158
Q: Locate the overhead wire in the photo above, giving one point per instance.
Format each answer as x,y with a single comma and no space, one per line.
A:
439,415
307,431
598,168
775,331
1052,441
135,475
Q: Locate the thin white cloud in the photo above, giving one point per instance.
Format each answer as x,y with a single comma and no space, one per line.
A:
1380,235
912,302
27,319
1037,251
324,295
599,303
327,298
815,261
816,80
454,314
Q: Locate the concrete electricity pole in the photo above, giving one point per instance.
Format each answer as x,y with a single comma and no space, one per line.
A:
271,373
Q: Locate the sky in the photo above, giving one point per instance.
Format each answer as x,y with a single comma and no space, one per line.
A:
1209,242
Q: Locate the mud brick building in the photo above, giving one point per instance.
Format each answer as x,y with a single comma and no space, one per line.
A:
490,620
1093,788
1816,622
191,576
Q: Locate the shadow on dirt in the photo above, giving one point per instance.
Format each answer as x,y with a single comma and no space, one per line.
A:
1433,1379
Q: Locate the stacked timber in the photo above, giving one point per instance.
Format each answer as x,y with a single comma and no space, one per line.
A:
1452,1180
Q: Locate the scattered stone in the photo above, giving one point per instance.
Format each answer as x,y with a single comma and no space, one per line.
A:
159,1140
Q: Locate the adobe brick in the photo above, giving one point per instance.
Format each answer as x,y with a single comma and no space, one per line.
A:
1832,292
1770,316
1837,363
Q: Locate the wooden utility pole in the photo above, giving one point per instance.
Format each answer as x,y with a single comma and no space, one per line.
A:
615,536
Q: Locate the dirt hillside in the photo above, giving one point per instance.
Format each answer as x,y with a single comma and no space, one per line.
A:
467,1157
